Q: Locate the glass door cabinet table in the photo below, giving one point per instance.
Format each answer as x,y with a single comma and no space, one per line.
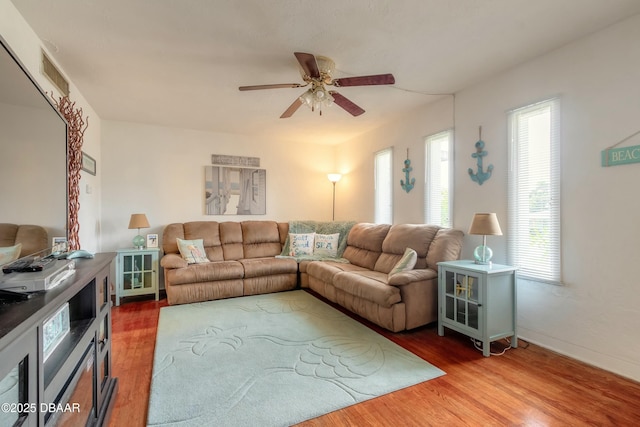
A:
478,300
137,272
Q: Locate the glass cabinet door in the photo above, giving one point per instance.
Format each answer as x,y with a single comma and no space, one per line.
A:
137,272
462,298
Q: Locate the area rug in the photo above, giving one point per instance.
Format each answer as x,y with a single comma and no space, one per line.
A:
270,360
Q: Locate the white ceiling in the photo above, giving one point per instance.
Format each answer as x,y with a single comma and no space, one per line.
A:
179,63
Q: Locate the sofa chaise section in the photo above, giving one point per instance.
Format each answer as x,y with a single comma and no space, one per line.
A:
403,301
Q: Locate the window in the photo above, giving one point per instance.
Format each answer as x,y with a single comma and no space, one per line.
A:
534,191
383,186
437,203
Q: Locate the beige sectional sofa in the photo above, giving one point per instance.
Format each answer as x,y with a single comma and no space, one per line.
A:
246,260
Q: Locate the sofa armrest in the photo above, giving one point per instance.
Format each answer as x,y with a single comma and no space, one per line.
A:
406,277
173,261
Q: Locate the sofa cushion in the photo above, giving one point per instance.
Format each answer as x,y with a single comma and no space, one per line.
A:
401,236
446,246
209,272
257,267
326,245
231,239
411,276
173,261
209,232
364,244
406,263
192,251
325,270
369,285
260,239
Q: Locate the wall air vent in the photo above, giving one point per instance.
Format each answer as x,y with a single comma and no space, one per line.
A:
54,76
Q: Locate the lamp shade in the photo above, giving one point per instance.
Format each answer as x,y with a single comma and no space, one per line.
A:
334,177
485,224
138,220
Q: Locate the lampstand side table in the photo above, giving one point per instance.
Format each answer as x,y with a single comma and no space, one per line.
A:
477,300
137,272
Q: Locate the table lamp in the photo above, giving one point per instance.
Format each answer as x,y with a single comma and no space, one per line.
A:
484,224
138,221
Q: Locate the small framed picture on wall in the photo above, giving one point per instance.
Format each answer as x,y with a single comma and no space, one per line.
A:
152,240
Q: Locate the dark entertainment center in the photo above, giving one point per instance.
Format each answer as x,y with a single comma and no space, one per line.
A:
74,386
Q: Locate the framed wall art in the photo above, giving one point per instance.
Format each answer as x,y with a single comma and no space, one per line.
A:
88,163
235,191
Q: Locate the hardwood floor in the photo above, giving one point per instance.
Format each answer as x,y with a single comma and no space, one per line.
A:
525,386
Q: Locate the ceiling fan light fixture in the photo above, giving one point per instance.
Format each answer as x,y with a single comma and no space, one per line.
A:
317,98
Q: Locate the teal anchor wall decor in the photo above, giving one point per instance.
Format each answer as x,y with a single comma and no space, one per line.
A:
408,185
480,176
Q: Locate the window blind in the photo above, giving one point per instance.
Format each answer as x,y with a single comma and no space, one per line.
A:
534,191
437,200
383,186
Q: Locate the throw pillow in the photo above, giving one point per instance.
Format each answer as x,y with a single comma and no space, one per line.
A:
10,253
301,244
406,263
192,251
326,245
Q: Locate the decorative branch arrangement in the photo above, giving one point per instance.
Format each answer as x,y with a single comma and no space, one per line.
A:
75,136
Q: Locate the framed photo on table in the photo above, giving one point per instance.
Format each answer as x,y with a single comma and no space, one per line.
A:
152,240
59,245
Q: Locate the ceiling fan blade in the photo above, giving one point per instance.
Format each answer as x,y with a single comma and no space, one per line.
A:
292,109
378,79
308,63
346,104
276,86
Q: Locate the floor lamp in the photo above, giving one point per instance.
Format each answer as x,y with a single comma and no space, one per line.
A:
334,177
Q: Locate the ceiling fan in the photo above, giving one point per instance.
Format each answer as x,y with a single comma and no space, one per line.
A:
316,71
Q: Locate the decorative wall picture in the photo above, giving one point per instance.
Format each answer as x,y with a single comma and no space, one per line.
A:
410,182
235,191
480,176
88,163
241,161
615,156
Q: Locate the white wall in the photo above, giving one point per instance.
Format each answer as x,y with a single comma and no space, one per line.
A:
594,317
355,193
26,45
160,171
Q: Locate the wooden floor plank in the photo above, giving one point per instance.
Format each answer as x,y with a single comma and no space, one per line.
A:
525,386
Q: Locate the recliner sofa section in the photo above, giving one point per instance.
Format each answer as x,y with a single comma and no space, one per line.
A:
243,260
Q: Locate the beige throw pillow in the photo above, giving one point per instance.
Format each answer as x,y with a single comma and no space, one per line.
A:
406,263
10,253
326,245
301,244
192,251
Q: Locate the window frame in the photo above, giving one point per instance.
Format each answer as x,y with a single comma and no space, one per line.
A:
522,251
387,216
429,190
